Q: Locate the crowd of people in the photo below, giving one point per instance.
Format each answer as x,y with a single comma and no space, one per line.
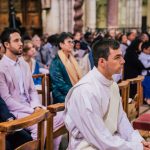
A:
84,72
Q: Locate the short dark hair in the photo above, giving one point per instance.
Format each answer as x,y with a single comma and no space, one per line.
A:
63,36
5,35
101,49
145,45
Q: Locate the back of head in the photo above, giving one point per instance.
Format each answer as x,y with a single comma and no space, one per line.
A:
101,49
53,39
5,35
26,45
134,45
145,45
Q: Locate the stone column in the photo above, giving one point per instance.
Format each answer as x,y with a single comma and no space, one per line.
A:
90,14
70,15
52,19
44,21
148,14
133,13
112,21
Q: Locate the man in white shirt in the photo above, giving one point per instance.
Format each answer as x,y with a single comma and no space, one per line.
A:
94,115
16,83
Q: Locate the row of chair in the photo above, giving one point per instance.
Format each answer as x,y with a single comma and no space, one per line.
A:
39,117
141,122
36,118
124,87
48,115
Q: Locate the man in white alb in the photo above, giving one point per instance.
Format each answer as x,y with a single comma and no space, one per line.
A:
94,115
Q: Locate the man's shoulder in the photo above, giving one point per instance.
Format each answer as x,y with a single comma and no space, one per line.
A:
3,64
85,83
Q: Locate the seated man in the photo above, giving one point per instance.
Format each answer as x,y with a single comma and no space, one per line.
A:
16,83
20,136
64,69
94,115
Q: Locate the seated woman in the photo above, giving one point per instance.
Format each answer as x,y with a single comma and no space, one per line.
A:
64,69
28,55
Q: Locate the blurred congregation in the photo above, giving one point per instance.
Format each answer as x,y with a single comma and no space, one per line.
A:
44,74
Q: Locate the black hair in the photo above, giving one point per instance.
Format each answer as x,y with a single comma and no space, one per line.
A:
63,36
145,45
101,49
5,35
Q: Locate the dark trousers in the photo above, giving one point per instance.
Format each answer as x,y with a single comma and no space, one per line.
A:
15,139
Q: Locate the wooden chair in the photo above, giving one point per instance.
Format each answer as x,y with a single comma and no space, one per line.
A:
52,134
138,98
48,89
41,91
11,126
124,87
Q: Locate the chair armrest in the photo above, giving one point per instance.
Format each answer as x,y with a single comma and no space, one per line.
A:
24,122
54,108
38,75
138,78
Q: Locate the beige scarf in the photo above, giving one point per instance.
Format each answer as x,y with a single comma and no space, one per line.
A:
71,66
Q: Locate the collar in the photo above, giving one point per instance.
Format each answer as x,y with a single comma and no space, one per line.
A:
12,62
99,76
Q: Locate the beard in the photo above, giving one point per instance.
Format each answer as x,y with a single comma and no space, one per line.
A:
17,52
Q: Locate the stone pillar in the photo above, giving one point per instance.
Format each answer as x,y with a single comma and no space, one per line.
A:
44,21
148,14
52,19
90,14
122,14
70,15
112,21
133,13
66,16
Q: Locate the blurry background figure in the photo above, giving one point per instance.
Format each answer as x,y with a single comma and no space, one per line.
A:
144,57
78,53
123,43
131,37
2,51
28,55
38,46
144,37
50,49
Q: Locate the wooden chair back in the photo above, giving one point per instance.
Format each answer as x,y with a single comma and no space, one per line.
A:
49,89
45,88
41,91
124,87
51,133
12,126
138,98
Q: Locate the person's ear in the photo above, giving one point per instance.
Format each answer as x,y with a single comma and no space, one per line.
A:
6,44
61,44
101,61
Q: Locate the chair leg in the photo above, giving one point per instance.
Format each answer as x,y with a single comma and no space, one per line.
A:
3,141
49,138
